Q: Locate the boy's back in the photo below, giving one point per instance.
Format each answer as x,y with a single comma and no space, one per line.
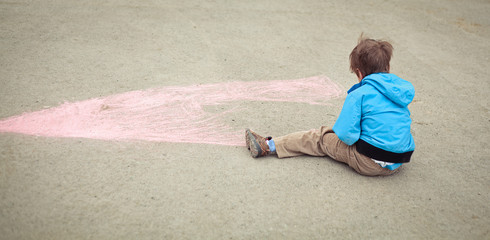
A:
377,113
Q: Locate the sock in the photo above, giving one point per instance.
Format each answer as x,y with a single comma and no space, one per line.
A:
272,145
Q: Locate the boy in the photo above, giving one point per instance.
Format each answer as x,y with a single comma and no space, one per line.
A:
372,133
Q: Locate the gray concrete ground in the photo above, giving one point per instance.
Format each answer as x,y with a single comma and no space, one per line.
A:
55,51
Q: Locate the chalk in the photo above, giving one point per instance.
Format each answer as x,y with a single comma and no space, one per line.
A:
167,114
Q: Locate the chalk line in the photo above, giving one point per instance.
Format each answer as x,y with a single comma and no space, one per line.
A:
167,114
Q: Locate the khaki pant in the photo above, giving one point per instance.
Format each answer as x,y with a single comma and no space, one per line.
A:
324,142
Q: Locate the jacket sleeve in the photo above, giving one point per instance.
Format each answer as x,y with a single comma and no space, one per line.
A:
348,124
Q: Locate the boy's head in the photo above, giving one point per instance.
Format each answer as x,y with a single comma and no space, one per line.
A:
370,56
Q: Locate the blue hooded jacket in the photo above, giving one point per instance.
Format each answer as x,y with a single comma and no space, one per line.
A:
376,111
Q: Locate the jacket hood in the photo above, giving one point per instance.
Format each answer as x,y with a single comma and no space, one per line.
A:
394,88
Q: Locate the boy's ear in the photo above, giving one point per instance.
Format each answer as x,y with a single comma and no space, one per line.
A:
359,74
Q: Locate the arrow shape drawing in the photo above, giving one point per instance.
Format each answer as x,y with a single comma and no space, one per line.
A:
167,114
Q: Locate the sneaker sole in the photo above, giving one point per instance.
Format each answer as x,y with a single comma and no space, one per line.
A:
253,145
247,141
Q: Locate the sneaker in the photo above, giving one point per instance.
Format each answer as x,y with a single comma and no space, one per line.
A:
256,144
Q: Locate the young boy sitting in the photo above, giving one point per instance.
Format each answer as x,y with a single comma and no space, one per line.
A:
372,133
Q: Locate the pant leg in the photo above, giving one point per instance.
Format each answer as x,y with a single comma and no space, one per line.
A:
324,142
300,143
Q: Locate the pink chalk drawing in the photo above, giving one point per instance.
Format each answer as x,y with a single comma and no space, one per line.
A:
167,114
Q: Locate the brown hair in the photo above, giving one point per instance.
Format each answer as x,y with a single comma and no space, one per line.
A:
371,56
